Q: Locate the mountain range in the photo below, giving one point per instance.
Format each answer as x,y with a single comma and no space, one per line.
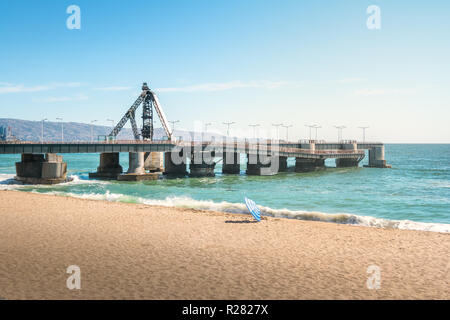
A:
27,130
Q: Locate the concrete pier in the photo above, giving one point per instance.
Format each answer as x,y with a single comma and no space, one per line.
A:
307,164
376,158
175,163
136,163
346,162
231,163
109,167
154,161
136,169
37,169
282,166
202,164
261,165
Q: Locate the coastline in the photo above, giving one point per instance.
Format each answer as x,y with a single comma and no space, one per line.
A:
138,251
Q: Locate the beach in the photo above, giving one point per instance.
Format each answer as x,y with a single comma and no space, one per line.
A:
137,251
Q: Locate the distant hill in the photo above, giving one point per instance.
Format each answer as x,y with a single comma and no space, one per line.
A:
74,131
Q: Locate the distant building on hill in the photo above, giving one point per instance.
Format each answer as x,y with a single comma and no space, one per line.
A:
3,133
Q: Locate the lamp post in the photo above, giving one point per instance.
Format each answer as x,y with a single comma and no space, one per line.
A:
317,127
254,129
112,123
42,130
92,130
62,128
228,124
173,125
340,128
364,132
310,126
277,126
206,130
287,131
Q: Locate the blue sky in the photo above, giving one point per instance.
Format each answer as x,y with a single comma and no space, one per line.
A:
253,61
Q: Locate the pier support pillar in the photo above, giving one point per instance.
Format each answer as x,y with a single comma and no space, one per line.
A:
136,163
136,169
262,165
154,161
376,158
175,163
231,163
202,164
109,167
346,162
307,164
37,169
282,164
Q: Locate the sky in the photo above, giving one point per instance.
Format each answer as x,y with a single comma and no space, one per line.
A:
244,61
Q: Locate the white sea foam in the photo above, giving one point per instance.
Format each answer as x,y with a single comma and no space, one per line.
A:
343,218
7,182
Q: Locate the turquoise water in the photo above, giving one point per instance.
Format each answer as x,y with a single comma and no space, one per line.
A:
416,189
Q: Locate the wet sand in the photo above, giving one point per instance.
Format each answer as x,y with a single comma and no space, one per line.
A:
133,251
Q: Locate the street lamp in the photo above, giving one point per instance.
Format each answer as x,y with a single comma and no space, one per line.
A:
112,122
228,124
254,129
92,130
287,131
340,128
364,132
62,128
310,126
277,126
316,127
42,130
173,125
207,125
206,130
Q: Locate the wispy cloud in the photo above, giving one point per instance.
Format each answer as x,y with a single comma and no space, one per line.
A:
117,88
222,86
79,97
351,80
20,88
379,92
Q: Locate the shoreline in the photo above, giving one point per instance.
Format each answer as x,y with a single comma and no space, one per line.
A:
139,251
351,219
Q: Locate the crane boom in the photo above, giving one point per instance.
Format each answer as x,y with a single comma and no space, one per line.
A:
162,116
148,98
127,116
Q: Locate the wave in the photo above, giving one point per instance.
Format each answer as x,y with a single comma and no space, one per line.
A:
7,182
229,207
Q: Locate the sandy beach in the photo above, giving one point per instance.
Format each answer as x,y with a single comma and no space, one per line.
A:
133,251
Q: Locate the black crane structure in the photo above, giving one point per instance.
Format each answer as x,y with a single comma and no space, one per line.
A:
149,100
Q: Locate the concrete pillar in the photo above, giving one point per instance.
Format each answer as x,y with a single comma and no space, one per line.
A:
309,146
282,164
346,162
154,161
231,163
307,165
258,165
109,167
350,146
175,163
376,158
202,164
136,163
35,169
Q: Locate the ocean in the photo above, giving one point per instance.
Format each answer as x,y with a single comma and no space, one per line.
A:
414,194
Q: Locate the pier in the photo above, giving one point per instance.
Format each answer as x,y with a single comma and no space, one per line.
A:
149,158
